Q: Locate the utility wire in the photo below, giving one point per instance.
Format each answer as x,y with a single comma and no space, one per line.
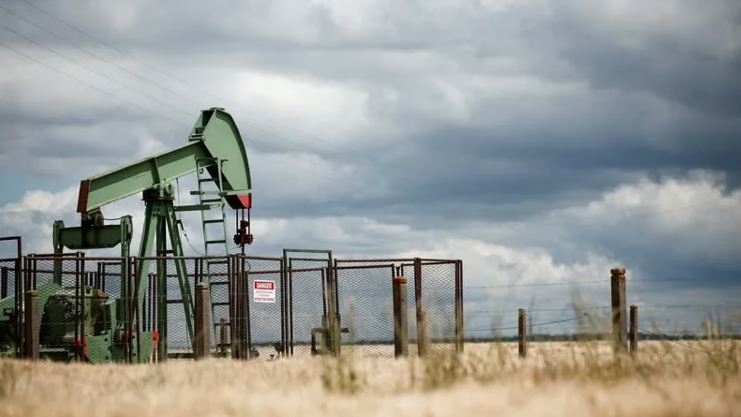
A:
65,57
100,58
166,74
81,81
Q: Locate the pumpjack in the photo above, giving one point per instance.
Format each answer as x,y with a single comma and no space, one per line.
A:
216,153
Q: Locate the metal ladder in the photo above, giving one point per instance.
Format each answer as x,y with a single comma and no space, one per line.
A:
215,241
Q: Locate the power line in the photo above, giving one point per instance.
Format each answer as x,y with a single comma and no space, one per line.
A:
253,126
166,74
65,57
81,81
98,57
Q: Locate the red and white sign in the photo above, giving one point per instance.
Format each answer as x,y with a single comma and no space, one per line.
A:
263,291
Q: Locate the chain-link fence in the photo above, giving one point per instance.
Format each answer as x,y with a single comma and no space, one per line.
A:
10,295
140,309
440,304
78,318
433,301
308,302
366,308
266,316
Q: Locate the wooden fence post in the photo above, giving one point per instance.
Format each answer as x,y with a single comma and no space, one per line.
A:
202,333
633,329
33,325
521,332
423,334
619,313
401,333
222,335
420,313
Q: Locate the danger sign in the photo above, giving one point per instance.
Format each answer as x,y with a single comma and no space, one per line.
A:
263,291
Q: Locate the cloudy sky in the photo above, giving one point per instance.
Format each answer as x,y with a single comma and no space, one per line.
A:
539,141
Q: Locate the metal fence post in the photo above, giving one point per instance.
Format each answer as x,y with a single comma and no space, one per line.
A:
202,333
522,332
3,282
401,334
633,329
619,313
33,325
459,323
161,310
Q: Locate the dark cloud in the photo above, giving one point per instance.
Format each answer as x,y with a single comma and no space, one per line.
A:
405,121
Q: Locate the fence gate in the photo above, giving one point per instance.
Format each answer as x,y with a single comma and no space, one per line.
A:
312,301
264,302
366,306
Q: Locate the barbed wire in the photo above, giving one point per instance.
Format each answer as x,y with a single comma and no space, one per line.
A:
669,339
544,284
640,281
496,329
469,312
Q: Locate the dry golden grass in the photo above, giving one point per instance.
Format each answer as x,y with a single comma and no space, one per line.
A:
566,379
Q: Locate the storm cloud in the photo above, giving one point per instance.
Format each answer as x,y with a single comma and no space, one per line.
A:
539,141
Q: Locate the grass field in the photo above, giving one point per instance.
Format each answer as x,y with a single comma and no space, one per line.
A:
557,379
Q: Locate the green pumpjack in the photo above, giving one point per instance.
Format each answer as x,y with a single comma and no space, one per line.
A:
215,146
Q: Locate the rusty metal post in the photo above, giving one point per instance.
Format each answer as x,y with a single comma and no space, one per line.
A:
619,313
33,325
522,332
202,333
459,322
3,282
401,333
633,329
421,319
222,335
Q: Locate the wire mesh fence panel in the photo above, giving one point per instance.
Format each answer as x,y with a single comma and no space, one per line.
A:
79,320
58,303
9,310
307,279
179,293
439,303
265,312
216,272
8,277
366,309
